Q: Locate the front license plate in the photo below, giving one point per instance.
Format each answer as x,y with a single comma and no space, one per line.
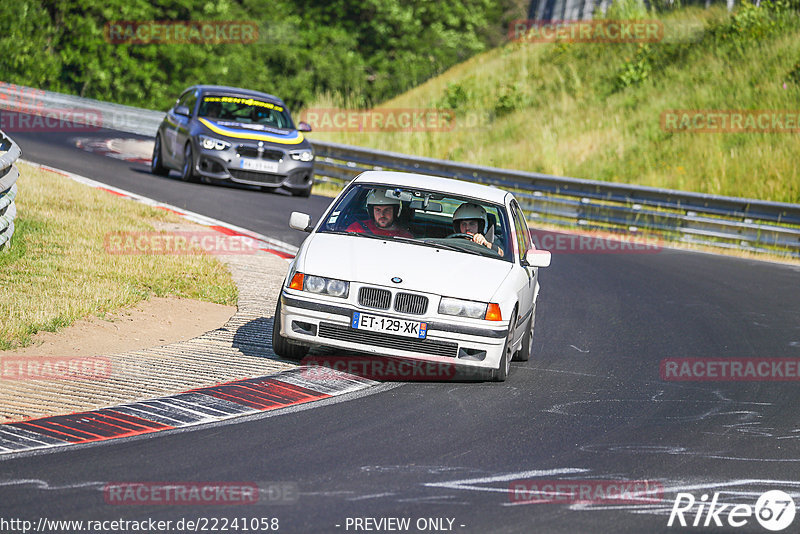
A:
258,165
401,327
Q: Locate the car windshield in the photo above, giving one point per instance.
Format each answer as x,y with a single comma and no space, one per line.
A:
420,217
245,110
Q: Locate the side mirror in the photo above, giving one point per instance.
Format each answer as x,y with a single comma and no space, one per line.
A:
300,221
182,110
303,127
538,258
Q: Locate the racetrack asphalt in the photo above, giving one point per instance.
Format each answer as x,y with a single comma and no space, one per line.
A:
590,405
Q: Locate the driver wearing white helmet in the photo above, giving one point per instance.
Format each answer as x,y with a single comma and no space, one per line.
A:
470,220
383,211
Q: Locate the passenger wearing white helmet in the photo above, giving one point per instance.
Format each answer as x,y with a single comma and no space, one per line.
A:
383,211
471,221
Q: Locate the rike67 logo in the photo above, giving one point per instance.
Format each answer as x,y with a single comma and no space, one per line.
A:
774,510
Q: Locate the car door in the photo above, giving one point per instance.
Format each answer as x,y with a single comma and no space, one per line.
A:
176,129
528,288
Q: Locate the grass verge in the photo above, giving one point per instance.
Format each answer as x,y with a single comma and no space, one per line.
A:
56,269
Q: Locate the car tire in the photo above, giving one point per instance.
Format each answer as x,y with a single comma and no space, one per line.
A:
524,353
501,373
187,171
157,161
280,345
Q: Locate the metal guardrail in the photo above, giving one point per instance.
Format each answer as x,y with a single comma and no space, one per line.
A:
9,153
736,223
727,222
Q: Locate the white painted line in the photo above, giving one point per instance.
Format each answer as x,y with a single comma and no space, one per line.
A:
472,483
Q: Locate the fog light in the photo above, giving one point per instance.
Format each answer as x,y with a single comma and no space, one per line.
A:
475,355
302,327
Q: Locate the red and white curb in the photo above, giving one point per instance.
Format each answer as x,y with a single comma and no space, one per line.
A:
273,246
195,407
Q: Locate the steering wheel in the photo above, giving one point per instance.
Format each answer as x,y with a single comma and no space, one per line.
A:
467,236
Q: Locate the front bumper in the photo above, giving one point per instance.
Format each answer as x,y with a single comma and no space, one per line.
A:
227,164
322,323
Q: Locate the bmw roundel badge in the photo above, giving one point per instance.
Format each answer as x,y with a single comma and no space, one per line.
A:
397,279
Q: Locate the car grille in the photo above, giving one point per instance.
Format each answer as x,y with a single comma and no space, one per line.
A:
378,339
246,151
257,177
372,297
410,303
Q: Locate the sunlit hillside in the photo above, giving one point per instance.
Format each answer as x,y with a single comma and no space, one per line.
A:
594,110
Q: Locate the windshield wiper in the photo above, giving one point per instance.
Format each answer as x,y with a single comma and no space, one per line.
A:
423,243
409,240
447,247
361,234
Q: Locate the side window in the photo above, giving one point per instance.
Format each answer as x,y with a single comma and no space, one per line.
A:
347,211
521,227
188,100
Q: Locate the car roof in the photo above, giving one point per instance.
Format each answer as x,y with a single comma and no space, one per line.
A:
237,91
434,183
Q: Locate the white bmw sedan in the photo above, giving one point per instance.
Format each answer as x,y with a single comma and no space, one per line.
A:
414,267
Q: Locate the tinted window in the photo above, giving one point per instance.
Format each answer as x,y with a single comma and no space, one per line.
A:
189,100
524,243
245,110
427,216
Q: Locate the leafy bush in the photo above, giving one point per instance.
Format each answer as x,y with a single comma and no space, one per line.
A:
365,50
751,23
508,99
747,26
635,71
455,96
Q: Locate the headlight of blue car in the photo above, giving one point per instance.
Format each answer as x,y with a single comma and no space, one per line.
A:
302,155
212,143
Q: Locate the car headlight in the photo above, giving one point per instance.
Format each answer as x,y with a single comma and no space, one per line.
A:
302,155
315,284
212,143
337,288
462,308
320,285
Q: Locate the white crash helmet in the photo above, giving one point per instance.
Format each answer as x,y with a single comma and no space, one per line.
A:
377,197
470,211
